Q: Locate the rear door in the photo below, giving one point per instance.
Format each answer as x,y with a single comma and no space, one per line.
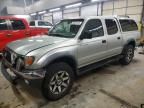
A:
18,29
4,33
114,37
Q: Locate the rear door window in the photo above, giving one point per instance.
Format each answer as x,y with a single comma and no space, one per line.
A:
42,23
3,24
128,25
111,26
48,24
17,24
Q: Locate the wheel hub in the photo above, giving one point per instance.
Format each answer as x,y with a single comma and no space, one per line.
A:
129,54
59,82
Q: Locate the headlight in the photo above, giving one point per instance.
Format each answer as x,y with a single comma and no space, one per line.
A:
29,60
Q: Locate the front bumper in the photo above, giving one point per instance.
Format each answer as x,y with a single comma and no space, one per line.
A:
26,74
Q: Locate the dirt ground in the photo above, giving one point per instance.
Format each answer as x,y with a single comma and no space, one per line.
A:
111,86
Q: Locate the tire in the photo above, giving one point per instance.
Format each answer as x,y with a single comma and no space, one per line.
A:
58,81
128,55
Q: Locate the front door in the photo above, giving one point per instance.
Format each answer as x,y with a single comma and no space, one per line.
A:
94,49
18,29
4,33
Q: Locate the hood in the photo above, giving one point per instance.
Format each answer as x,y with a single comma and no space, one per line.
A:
26,45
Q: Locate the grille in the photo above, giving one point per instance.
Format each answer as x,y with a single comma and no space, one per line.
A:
19,64
7,56
15,61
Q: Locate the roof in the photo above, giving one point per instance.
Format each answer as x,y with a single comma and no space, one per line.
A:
9,17
91,17
39,20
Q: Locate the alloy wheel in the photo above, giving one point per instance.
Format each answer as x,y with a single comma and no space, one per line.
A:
129,55
59,82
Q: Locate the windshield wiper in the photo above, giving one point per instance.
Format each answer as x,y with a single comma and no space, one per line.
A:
61,35
56,34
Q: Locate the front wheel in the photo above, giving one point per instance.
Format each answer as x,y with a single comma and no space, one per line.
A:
128,55
58,81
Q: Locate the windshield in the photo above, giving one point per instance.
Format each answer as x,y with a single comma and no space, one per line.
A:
67,28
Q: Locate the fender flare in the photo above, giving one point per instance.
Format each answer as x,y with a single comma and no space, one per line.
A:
49,59
130,40
127,43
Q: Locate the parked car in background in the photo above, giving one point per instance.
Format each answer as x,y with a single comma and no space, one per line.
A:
12,29
73,47
41,24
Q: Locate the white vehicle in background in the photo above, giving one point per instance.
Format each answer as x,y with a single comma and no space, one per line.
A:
41,24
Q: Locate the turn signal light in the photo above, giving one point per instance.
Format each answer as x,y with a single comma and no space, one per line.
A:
29,60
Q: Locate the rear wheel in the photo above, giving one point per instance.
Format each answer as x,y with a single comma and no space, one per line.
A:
128,55
58,81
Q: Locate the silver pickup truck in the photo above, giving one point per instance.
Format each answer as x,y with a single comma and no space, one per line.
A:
73,47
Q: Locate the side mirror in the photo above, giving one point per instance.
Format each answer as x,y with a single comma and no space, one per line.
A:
86,35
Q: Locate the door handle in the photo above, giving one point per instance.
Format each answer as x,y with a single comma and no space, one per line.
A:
103,41
84,44
27,34
118,38
8,35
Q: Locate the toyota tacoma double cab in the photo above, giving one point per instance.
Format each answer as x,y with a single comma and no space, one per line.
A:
73,47
12,28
